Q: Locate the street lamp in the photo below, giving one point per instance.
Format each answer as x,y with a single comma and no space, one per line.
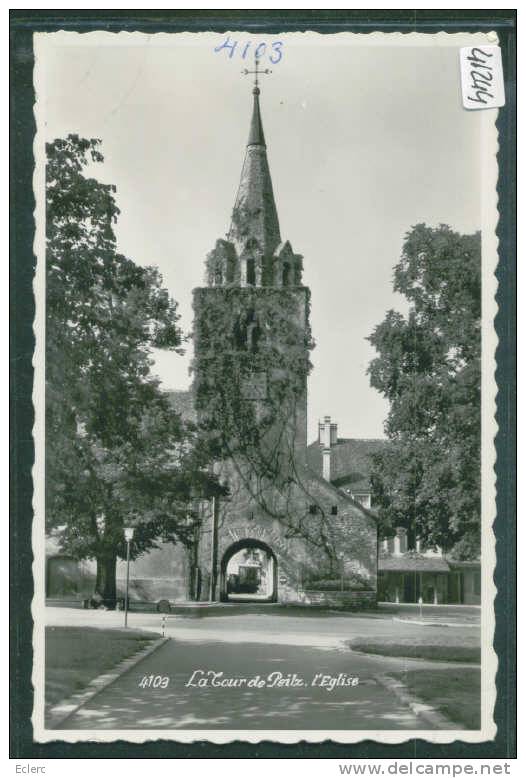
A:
194,519
128,537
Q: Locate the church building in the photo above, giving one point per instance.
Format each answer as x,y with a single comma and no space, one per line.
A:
282,533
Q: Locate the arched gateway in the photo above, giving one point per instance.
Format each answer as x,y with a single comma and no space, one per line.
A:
249,572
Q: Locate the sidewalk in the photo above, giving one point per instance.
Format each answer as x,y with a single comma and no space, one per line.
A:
450,615
280,625
461,614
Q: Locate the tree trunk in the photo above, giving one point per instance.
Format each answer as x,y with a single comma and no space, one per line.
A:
106,582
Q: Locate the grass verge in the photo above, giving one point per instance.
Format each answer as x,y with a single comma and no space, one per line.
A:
442,648
77,655
455,693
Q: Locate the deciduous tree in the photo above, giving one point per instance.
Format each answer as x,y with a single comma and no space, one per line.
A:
117,454
428,368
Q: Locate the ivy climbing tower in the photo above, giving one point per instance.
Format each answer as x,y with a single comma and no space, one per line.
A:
280,528
251,332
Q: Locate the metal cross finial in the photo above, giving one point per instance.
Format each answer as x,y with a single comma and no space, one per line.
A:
256,72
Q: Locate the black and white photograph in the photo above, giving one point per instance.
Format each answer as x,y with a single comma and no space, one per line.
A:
264,392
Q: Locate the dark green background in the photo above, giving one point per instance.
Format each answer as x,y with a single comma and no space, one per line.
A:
22,26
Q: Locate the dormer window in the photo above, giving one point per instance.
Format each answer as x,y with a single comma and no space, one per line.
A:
286,274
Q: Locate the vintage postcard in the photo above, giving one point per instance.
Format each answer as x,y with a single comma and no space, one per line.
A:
264,386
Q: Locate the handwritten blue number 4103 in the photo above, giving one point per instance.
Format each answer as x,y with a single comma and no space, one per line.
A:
274,50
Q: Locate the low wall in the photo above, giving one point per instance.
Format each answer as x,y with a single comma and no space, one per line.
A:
345,599
154,589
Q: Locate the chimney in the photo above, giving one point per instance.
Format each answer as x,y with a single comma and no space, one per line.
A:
328,436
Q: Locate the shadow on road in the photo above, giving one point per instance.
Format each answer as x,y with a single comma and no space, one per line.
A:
125,705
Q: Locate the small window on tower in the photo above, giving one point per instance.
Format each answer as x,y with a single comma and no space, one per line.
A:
251,272
313,509
286,274
247,332
334,510
253,332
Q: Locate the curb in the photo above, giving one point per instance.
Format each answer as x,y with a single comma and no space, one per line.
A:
442,663
419,708
64,709
436,623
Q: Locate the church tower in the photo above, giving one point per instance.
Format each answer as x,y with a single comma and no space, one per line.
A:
251,328
280,529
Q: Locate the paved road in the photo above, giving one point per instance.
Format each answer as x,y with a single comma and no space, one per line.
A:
249,646
124,705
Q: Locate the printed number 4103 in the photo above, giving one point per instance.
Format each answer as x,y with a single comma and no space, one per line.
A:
154,682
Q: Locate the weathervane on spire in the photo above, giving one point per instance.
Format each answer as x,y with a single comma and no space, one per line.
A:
256,72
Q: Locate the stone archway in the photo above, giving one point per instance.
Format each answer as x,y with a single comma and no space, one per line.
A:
249,572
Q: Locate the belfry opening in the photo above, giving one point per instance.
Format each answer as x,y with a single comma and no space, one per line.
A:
249,572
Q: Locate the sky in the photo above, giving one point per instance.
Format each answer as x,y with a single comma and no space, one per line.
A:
366,137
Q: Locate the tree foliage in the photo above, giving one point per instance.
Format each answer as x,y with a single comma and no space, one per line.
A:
428,368
116,452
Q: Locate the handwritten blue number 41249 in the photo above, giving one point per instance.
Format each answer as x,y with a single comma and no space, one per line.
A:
274,50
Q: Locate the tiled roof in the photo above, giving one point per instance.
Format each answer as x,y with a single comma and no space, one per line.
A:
413,563
330,487
351,460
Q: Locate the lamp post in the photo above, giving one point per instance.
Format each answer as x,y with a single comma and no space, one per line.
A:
192,523
214,535
213,548
128,537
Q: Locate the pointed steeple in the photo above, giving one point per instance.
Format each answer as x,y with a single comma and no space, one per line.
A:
256,136
255,219
253,254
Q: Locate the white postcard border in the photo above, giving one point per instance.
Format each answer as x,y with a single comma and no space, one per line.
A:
489,221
